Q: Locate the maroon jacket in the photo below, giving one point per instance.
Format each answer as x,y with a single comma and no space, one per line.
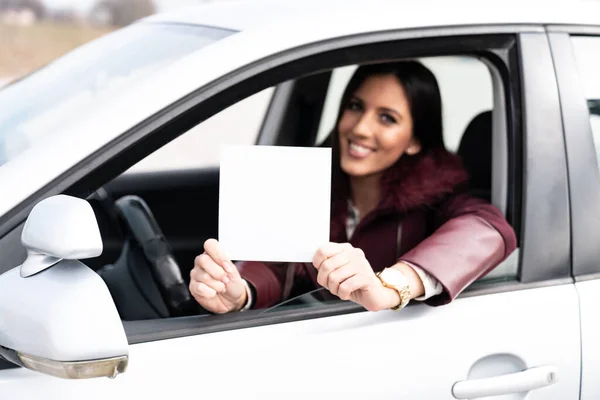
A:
454,237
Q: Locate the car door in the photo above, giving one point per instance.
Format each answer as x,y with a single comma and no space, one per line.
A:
576,53
517,335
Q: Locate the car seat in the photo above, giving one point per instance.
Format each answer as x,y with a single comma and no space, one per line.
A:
475,149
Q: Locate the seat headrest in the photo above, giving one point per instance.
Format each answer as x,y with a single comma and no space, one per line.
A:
476,152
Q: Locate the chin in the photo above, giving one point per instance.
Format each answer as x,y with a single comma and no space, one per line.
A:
352,169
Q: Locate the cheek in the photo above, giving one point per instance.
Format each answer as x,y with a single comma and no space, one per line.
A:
346,124
393,144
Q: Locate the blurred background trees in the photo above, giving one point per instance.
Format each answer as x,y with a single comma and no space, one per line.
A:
35,32
97,12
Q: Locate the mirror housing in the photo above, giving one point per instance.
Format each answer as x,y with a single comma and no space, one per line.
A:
59,227
57,315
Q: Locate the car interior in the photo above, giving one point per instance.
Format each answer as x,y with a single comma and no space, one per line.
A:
153,222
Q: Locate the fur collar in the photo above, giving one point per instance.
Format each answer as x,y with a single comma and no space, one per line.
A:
422,181
415,182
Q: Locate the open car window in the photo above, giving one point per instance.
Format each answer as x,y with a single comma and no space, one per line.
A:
184,195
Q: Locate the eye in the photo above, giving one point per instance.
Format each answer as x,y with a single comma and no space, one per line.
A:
387,119
354,105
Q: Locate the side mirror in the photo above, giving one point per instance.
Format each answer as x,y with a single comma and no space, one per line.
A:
57,315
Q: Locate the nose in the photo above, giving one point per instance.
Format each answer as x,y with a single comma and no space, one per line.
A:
365,125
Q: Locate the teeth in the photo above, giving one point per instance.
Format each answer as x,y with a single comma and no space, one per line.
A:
359,149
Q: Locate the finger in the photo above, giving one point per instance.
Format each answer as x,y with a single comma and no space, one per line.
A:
232,272
207,264
324,252
201,290
213,249
347,256
327,251
358,253
340,275
203,277
330,265
352,284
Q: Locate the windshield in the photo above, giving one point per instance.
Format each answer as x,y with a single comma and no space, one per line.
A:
38,105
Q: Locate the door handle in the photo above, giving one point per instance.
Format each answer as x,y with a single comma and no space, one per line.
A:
524,381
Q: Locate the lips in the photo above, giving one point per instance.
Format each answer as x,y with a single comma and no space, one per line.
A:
356,150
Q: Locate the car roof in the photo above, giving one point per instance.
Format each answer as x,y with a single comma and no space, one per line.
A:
247,14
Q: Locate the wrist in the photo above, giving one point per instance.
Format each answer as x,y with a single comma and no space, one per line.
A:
390,298
417,288
398,292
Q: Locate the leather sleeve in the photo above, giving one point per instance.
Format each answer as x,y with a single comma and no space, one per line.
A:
273,283
267,280
471,239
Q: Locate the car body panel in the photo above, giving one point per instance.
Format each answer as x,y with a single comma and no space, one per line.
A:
589,298
577,77
349,356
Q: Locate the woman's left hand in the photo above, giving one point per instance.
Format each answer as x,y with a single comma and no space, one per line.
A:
345,272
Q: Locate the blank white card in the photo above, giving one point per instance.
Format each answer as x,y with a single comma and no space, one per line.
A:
274,202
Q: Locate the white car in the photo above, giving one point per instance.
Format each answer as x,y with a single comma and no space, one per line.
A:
137,117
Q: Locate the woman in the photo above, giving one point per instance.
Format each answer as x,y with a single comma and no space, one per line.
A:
402,225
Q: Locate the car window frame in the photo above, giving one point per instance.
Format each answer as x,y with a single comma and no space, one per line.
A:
164,126
583,168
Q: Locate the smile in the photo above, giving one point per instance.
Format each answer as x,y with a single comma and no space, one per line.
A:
356,150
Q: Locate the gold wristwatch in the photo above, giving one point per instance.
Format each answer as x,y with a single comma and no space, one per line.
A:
394,279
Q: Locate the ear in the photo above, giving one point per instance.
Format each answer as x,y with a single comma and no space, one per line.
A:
414,147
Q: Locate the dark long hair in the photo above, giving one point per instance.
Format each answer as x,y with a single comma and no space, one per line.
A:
422,92
424,99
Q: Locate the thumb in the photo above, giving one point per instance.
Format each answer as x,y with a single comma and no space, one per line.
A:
232,271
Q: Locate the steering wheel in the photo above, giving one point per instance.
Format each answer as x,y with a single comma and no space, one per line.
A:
145,237
146,282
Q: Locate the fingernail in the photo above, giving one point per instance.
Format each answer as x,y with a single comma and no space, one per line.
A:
225,280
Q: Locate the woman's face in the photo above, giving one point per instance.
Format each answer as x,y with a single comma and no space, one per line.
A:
376,127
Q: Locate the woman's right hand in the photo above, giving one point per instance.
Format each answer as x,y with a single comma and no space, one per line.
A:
215,282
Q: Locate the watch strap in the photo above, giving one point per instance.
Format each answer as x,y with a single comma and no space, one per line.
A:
403,292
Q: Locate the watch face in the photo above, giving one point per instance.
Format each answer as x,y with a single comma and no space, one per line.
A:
394,277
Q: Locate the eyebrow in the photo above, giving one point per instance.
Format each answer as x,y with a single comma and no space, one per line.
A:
389,110
385,109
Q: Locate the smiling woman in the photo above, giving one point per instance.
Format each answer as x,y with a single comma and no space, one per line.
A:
403,226
382,104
